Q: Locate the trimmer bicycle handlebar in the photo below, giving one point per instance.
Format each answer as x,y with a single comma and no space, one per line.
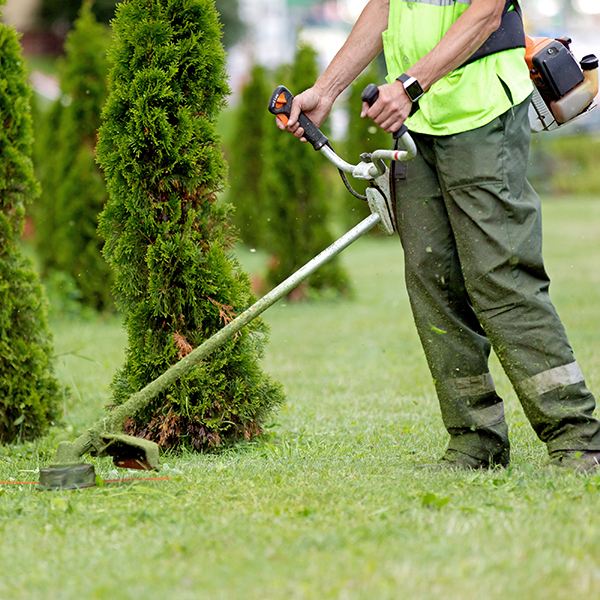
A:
280,104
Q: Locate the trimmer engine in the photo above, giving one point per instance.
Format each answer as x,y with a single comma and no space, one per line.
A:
564,89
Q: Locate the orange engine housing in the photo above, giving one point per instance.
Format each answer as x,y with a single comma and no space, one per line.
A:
552,67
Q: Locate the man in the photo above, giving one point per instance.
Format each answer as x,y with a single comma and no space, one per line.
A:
469,222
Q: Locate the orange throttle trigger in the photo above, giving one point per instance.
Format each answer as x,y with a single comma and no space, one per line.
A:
280,104
282,101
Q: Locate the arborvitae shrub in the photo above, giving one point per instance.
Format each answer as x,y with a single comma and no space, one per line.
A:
73,188
247,159
298,198
29,394
363,136
167,238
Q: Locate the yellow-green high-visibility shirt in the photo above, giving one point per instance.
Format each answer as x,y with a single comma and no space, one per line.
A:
468,97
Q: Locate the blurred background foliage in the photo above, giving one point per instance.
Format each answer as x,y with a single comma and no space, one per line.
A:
59,15
567,163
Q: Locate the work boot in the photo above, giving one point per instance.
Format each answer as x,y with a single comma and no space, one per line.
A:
580,461
454,460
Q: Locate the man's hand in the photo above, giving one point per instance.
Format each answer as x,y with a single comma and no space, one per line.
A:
315,105
391,108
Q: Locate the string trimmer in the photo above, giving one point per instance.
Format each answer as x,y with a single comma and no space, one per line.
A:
105,437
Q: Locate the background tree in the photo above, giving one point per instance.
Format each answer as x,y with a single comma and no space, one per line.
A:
73,188
233,26
247,159
61,14
29,394
46,125
295,189
168,240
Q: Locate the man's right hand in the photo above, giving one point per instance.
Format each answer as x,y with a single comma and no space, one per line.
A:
391,108
315,105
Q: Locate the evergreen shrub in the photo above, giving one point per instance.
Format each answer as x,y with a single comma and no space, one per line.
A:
168,240
29,393
298,198
73,188
46,124
247,159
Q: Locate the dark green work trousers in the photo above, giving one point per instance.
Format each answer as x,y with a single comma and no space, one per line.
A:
470,226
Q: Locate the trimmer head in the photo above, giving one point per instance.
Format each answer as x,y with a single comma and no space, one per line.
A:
67,477
127,452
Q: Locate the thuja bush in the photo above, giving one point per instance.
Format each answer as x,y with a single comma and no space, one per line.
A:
168,239
247,159
294,184
73,188
363,136
46,124
29,393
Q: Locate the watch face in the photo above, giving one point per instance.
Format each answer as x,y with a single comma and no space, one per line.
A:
413,89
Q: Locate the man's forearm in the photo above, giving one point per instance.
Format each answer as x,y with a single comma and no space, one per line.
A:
463,38
362,46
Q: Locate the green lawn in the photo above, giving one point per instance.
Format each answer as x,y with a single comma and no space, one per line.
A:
329,503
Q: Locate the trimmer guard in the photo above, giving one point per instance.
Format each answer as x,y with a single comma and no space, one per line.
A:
380,205
128,452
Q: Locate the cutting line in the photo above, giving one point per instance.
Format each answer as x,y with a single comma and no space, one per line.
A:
105,480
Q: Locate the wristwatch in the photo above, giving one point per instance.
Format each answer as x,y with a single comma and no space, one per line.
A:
413,90
412,87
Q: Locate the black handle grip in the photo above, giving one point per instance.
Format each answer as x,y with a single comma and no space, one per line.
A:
280,104
370,95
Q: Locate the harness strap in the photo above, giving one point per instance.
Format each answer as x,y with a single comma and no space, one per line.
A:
509,35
